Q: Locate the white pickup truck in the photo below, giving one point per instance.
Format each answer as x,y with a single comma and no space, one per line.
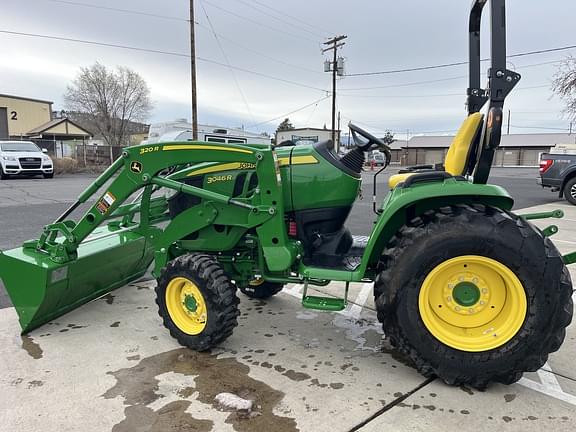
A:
24,158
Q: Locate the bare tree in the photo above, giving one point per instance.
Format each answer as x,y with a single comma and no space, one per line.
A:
564,85
110,100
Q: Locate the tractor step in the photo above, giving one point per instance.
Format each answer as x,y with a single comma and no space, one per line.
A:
331,304
324,303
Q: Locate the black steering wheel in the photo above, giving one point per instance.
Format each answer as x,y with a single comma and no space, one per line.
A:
372,143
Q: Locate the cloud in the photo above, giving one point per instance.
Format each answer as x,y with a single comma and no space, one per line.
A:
382,36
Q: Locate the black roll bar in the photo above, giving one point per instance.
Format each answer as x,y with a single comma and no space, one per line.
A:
501,81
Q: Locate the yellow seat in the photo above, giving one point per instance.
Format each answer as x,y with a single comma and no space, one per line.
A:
457,157
398,178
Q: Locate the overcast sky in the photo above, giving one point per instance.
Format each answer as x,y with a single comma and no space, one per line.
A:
382,35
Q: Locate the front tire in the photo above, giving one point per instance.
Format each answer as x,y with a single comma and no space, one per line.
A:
48,176
197,301
3,175
570,191
472,294
260,289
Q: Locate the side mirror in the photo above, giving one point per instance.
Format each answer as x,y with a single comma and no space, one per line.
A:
44,150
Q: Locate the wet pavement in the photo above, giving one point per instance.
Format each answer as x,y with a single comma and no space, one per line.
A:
112,366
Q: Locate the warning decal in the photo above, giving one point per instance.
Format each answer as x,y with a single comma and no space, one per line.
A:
105,202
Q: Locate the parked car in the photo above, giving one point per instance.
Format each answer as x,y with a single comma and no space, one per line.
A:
558,171
24,158
377,157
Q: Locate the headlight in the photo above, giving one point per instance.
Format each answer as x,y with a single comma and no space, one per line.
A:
9,158
46,159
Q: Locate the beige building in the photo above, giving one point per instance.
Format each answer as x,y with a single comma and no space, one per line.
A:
32,119
514,150
19,115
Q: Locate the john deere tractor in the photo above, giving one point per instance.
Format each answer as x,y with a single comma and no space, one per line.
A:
468,290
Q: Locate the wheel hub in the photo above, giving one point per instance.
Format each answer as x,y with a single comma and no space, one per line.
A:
190,303
466,294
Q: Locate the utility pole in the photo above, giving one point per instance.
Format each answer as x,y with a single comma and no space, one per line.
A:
333,44
338,128
407,141
193,74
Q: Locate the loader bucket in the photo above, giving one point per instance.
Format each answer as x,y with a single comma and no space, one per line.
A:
41,289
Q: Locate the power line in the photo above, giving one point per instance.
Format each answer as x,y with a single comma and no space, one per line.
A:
282,20
132,11
154,51
446,65
261,54
290,113
315,27
128,11
258,23
227,61
405,84
430,95
414,83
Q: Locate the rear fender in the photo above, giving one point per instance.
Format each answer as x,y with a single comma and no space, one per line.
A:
403,204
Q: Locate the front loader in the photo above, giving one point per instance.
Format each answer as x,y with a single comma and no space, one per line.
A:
467,289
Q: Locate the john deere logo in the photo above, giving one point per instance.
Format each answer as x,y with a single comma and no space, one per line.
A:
136,167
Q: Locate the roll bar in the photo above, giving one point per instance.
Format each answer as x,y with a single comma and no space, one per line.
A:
501,81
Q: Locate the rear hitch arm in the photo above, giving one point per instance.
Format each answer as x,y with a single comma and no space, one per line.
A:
569,258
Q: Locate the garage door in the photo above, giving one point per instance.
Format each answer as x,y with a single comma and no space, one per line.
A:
434,156
511,157
3,123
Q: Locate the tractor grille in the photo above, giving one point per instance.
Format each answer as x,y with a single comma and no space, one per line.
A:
30,163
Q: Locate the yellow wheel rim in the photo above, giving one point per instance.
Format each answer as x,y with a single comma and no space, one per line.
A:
256,282
186,306
472,303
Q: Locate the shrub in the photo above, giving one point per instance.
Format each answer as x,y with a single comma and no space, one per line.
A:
65,165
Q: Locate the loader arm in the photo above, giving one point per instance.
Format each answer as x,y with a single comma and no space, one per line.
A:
139,167
74,262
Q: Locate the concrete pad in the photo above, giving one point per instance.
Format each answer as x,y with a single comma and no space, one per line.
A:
437,407
111,365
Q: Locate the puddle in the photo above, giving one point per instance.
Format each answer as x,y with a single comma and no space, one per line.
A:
171,417
31,347
367,334
139,386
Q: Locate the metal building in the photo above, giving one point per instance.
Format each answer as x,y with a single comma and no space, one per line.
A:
515,150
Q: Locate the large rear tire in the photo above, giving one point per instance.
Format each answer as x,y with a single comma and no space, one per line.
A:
473,294
260,289
570,191
197,301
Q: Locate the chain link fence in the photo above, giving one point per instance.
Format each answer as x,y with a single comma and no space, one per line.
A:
86,155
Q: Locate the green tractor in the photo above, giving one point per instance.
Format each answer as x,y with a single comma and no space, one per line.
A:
468,290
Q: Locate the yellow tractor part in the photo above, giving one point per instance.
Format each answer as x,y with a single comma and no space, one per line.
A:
186,306
472,303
